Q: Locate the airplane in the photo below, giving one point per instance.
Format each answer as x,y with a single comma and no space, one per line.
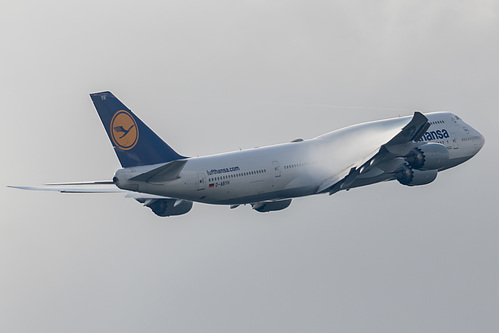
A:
410,149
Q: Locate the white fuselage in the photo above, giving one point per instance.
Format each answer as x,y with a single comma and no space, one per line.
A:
298,168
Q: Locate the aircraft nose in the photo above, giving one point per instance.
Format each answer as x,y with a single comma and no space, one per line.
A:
481,140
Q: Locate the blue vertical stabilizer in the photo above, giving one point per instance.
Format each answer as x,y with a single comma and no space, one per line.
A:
135,144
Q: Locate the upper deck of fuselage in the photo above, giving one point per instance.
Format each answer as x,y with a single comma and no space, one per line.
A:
367,136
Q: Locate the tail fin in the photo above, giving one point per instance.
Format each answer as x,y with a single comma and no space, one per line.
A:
134,143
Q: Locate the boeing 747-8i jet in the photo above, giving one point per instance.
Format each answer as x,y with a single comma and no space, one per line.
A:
411,150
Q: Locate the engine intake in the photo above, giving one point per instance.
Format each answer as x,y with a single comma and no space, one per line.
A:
411,177
430,156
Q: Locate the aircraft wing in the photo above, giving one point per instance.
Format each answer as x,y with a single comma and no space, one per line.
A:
77,187
385,158
89,187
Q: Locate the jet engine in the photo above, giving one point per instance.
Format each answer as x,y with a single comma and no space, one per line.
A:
430,156
167,207
411,177
268,206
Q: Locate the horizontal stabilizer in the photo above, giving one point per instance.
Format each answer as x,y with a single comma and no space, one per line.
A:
86,187
72,188
97,182
169,171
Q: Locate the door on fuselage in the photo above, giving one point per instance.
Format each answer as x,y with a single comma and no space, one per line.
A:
453,140
201,181
277,169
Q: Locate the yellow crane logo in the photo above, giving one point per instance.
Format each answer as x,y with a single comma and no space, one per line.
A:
124,130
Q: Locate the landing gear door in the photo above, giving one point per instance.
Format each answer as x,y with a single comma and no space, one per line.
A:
277,169
201,181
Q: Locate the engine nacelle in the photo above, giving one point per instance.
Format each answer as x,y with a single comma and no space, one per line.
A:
168,207
410,177
430,156
269,206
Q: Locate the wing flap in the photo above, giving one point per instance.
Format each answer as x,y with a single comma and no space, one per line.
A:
330,182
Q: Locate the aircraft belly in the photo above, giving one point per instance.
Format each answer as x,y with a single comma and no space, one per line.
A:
455,161
237,191
254,197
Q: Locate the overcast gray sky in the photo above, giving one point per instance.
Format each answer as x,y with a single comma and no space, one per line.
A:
214,76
